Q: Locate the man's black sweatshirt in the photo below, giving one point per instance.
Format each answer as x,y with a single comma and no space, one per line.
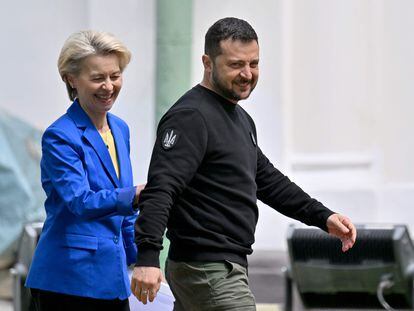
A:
206,174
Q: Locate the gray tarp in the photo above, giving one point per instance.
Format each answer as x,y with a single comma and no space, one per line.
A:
21,194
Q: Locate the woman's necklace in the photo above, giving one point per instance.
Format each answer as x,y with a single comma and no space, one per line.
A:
105,138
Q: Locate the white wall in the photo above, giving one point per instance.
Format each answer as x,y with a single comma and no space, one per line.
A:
397,107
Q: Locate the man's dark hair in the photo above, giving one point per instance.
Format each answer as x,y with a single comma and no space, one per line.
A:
225,28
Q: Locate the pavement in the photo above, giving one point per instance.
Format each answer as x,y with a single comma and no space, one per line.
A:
6,305
266,276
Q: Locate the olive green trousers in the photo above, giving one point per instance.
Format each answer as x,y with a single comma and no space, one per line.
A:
209,286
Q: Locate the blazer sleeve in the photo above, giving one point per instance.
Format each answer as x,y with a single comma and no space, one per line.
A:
62,165
128,239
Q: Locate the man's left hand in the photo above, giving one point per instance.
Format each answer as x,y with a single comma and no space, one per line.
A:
341,227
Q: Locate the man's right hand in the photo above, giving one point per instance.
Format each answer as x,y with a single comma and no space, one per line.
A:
145,283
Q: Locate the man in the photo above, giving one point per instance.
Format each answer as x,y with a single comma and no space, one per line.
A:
206,173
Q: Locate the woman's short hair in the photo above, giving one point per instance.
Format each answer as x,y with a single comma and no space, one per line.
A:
86,43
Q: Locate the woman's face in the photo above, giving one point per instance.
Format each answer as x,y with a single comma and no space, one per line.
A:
99,82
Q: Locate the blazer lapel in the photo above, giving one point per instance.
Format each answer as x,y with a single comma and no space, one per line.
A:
121,149
95,140
92,135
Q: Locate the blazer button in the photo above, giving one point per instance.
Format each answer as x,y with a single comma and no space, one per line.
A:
116,239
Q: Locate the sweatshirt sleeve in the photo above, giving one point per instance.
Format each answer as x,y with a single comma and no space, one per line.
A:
277,191
178,151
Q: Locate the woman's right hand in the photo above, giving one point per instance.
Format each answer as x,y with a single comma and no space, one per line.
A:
138,190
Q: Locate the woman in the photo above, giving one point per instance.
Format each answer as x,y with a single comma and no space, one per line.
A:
80,262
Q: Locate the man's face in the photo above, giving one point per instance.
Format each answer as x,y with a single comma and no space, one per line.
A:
234,73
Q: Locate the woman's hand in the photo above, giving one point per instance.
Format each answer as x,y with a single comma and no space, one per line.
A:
138,190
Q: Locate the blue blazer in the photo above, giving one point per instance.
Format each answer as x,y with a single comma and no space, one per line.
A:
87,239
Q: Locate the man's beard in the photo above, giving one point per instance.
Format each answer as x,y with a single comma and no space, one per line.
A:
226,92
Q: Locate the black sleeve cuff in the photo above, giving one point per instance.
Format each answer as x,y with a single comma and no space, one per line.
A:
148,257
323,218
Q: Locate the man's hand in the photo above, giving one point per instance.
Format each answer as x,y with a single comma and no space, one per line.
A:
145,283
341,227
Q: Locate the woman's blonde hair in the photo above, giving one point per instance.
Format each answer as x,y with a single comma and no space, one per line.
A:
86,43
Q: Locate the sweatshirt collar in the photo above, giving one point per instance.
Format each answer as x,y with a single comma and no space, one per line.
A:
228,105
